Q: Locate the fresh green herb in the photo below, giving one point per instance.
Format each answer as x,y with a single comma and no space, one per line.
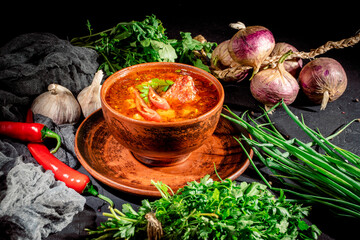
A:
130,43
331,178
186,47
210,210
159,85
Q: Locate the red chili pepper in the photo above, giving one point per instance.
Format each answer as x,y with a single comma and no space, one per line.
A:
62,172
72,178
28,132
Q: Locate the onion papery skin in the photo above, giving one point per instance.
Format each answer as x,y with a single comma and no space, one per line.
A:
251,45
271,85
323,80
293,66
221,59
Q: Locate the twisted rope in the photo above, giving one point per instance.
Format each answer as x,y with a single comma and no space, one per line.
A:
237,70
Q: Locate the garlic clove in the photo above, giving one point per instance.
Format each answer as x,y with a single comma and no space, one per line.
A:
58,104
89,97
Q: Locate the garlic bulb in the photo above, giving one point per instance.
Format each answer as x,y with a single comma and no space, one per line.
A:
58,104
89,97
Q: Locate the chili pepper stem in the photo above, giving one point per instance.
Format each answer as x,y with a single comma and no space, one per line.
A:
47,133
91,190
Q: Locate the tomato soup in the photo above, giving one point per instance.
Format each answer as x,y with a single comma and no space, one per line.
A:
162,95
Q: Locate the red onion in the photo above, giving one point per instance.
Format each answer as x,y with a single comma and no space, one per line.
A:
271,85
221,59
251,45
293,66
323,80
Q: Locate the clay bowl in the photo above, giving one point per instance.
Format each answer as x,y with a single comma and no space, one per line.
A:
161,143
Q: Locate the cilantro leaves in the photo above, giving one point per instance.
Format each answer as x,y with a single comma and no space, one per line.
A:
214,210
130,43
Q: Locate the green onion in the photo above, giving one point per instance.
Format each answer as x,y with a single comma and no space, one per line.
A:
330,178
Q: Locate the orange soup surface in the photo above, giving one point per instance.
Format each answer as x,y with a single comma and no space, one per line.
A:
185,96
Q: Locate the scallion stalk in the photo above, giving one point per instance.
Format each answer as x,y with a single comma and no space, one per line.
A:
330,178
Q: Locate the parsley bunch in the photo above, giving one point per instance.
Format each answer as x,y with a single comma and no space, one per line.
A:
212,210
130,43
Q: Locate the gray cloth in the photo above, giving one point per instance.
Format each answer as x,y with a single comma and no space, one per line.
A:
30,62
32,203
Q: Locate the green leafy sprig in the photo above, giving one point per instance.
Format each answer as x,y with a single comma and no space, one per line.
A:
130,43
212,210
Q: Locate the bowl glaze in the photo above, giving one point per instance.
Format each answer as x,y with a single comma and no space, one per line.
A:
161,143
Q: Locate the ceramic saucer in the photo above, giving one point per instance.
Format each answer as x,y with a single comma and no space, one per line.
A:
114,165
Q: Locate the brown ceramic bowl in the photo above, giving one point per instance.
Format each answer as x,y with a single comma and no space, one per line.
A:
161,143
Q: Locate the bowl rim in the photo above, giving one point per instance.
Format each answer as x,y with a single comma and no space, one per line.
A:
113,78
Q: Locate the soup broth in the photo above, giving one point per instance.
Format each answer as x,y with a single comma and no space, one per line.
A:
188,96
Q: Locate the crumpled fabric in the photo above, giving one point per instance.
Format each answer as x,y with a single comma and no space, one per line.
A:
32,203
35,204
31,62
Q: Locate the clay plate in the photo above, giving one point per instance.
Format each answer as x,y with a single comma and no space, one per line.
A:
114,165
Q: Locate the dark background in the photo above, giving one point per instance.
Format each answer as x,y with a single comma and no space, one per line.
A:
304,24
308,23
